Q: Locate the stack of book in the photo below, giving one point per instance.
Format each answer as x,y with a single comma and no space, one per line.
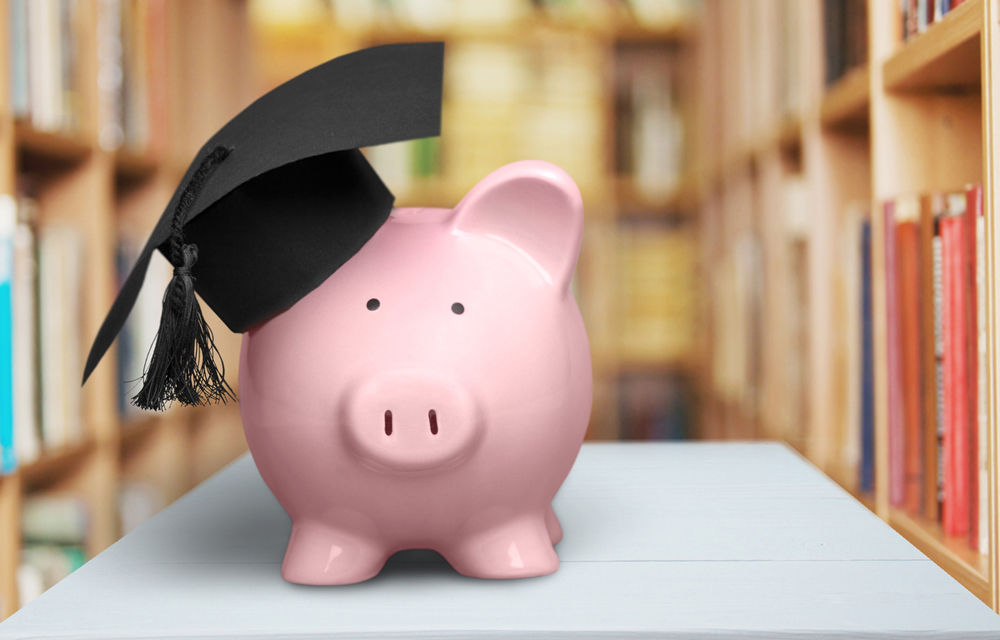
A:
54,530
917,15
40,341
845,35
935,283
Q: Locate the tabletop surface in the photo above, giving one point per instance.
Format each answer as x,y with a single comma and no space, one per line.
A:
662,540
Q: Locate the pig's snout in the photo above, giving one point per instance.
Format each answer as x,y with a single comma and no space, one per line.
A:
411,422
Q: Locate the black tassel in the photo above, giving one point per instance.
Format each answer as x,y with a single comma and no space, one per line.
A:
183,365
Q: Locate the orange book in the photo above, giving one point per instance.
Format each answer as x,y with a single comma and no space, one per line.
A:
908,292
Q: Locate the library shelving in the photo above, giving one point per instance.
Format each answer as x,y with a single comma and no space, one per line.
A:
76,178
909,116
557,74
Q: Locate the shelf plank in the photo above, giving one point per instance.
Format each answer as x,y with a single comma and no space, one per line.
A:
946,56
53,463
134,167
845,104
951,554
53,146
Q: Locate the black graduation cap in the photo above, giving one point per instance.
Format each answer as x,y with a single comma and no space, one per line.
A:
272,205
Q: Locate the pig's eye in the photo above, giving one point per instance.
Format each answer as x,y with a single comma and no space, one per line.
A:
457,308
373,304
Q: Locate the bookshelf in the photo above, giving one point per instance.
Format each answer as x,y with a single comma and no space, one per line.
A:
916,117
584,42
76,180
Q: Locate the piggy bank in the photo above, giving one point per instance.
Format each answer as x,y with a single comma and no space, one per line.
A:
432,393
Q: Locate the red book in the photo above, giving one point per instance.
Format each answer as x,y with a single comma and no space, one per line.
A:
895,407
973,210
908,312
955,507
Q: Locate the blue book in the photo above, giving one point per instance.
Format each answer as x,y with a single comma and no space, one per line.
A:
8,225
867,364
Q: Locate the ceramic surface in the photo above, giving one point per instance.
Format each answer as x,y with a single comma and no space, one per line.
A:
434,392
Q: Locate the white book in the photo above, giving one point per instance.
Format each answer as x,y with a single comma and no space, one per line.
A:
44,57
60,269
26,431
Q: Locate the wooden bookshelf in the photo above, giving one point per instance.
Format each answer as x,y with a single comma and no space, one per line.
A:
917,117
102,191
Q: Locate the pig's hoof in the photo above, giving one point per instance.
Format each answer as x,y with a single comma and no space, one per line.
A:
317,555
518,550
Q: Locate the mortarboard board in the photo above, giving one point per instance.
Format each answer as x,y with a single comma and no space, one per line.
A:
272,205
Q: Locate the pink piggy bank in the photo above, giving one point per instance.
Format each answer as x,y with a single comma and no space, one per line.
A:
433,393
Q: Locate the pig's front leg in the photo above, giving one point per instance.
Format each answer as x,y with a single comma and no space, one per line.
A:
521,548
318,555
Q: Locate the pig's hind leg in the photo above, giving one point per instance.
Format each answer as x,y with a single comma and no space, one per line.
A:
320,555
520,548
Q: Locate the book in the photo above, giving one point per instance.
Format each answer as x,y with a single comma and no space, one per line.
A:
138,502
847,357
867,471
8,228
907,275
895,377
970,223
60,271
982,410
938,273
955,507
931,208
19,94
845,36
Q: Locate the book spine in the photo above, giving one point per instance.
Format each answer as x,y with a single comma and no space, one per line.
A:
930,206
939,415
8,225
982,410
19,92
25,343
907,273
973,212
867,364
896,460
955,515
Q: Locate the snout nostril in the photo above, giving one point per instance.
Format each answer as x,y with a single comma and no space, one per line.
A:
388,423
434,421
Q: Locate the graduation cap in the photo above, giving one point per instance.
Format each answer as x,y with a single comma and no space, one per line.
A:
272,205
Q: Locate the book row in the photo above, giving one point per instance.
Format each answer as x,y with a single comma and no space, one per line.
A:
936,347
47,87
917,15
845,36
40,344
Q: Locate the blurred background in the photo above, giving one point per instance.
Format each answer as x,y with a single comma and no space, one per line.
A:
722,147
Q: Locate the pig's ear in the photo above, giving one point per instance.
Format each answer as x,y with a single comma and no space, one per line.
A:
533,206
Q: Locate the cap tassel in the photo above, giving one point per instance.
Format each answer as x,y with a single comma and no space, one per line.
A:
183,365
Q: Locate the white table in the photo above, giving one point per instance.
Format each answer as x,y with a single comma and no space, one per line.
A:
706,540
